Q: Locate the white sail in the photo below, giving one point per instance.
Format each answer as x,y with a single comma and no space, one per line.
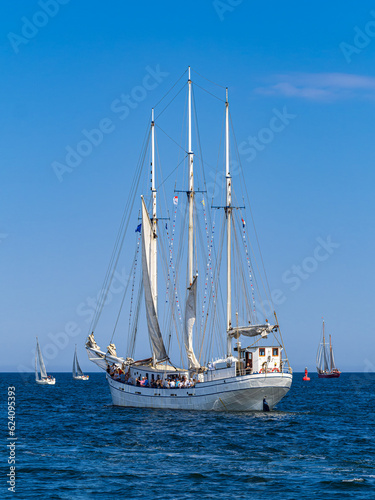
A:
43,373
36,367
251,330
190,316
150,296
76,368
79,371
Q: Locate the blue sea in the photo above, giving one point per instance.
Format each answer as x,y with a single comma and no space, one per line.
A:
73,444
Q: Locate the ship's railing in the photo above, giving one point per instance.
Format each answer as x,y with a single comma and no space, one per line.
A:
241,371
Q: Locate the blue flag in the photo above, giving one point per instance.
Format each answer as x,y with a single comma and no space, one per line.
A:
138,230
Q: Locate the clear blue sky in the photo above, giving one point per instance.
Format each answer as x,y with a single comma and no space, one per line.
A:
314,179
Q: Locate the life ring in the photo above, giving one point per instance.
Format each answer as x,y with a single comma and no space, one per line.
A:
275,370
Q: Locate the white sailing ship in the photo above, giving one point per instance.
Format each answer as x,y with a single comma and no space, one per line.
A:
43,378
239,378
77,372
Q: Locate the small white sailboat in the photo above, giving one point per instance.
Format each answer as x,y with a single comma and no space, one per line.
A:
255,376
77,372
44,379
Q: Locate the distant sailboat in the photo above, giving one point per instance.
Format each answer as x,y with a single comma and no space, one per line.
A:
44,379
77,372
325,362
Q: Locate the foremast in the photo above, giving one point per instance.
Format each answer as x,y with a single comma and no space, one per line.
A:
149,263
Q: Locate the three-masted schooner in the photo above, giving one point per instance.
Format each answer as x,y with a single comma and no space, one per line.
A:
251,377
325,361
43,378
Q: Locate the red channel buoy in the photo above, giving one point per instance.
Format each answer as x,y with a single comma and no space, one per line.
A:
306,377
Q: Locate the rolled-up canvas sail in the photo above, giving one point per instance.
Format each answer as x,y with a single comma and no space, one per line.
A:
251,330
149,290
190,316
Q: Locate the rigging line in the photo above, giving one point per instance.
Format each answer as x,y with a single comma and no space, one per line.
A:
165,95
175,296
248,259
166,178
205,306
126,289
282,341
185,108
260,276
208,92
207,79
216,293
160,171
118,244
251,213
241,271
200,150
134,330
170,102
218,156
169,137
261,280
133,283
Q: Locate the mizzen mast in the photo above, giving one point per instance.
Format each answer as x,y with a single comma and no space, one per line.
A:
228,210
154,255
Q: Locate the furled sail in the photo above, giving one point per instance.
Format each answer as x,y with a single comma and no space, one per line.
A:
150,295
190,316
43,373
252,330
91,342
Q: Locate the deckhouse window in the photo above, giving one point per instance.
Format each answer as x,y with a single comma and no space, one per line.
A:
262,351
275,351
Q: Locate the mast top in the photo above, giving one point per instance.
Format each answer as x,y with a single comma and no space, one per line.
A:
152,115
226,96
189,73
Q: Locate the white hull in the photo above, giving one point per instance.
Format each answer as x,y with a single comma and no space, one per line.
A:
50,381
244,393
80,377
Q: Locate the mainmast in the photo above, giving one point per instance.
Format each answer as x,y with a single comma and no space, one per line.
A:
229,217
154,260
190,195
